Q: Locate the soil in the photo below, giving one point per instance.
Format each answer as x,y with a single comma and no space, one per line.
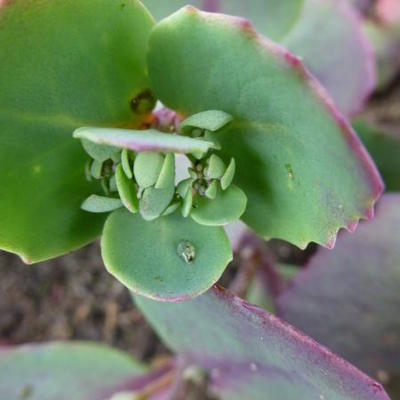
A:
72,297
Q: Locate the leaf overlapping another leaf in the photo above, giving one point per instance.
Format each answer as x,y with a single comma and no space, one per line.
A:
64,64
249,353
300,164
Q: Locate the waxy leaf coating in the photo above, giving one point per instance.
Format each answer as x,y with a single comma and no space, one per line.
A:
349,298
146,256
65,371
155,201
65,64
127,190
225,208
326,34
101,204
301,166
147,168
251,354
211,120
273,18
145,140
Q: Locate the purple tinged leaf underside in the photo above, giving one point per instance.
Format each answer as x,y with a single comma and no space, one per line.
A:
354,290
249,352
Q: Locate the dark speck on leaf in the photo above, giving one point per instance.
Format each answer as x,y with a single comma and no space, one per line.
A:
289,170
26,392
143,102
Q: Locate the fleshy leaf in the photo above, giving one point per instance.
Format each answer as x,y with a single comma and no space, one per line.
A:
326,34
145,140
155,201
211,120
273,18
147,168
215,167
127,190
145,256
65,371
384,146
100,152
68,63
229,174
126,163
166,177
357,284
227,207
250,353
301,166
100,204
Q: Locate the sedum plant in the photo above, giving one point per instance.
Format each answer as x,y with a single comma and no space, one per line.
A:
260,138
158,137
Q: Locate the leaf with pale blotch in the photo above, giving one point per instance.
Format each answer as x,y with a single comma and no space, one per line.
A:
358,285
69,63
145,140
301,166
250,353
147,256
65,371
211,120
227,207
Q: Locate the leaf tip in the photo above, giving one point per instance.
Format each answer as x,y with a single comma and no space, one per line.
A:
246,26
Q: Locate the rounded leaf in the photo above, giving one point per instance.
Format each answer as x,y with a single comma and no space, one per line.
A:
227,207
65,371
100,204
303,169
67,64
149,257
155,201
211,120
147,168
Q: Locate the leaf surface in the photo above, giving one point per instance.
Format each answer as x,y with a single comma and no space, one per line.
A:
326,34
349,299
249,352
384,146
67,63
148,256
65,371
298,161
145,140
